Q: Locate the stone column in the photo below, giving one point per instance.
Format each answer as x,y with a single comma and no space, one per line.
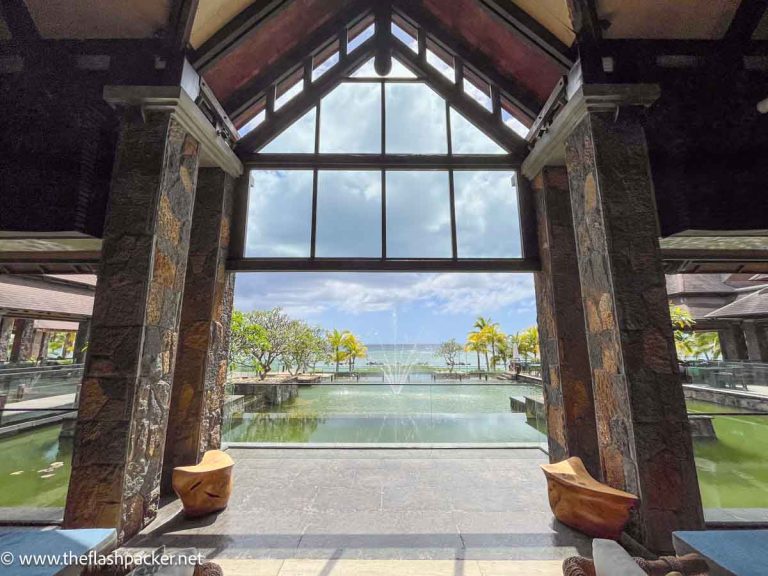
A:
124,400
732,342
23,339
756,336
6,331
197,398
43,350
642,426
571,428
81,341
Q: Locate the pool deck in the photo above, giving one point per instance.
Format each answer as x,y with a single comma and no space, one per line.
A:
326,511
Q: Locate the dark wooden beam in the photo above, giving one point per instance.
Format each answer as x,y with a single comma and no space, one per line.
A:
522,98
745,21
585,21
381,265
253,90
528,28
379,162
182,17
235,31
465,105
280,119
20,23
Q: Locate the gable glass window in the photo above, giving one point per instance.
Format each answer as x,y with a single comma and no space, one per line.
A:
279,214
348,214
385,169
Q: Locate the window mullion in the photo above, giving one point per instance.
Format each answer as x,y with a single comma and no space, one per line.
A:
452,200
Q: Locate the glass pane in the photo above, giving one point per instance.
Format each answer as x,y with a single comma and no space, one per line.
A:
368,32
279,214
478,95
348,214
368,70
441,66
325,65
249,126
514,124
405,37
466,138
487,217
351,119
418,215
299,137
415,120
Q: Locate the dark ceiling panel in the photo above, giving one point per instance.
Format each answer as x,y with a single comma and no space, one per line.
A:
268,43
510,53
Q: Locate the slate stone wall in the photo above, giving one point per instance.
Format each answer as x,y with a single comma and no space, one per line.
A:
124,401
564,358
198,393
642,427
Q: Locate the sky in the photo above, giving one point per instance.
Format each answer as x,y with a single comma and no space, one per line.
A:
388,308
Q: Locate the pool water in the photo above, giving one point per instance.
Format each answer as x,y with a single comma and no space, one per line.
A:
35,468
733,470
370,413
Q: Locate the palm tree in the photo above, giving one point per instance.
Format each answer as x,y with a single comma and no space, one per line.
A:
476,343
484,327
337,340
354,349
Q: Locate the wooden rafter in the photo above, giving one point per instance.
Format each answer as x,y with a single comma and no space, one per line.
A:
19,22
745,21
235,31
182,16
528,28
255,89
279,120
521,97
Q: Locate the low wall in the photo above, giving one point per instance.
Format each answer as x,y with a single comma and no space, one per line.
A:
702,427
733,398
261,394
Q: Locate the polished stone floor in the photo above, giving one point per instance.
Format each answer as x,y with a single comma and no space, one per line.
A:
334,508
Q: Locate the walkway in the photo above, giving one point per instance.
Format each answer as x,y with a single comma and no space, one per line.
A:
328,512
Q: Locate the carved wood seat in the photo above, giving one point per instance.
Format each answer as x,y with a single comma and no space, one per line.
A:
206,487
581,502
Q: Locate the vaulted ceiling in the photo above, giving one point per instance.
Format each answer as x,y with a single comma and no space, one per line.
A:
491,27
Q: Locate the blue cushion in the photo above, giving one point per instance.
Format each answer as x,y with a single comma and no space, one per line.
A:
52,542
739,552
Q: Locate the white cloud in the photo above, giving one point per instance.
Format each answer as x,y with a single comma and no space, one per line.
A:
308,295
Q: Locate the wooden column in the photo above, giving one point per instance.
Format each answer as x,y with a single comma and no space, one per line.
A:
6,331
81,341
571,429
197,399
121,423
756,337
733,345
642,426
23,339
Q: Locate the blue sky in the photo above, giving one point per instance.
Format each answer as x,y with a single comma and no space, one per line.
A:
384,308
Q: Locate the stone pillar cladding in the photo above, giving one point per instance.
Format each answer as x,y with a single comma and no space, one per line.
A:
756,337
642,426
23,340
6,331
81,341
733,345
197,398
125,395
570,408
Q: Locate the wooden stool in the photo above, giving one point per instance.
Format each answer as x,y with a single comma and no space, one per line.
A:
581,502
204,488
